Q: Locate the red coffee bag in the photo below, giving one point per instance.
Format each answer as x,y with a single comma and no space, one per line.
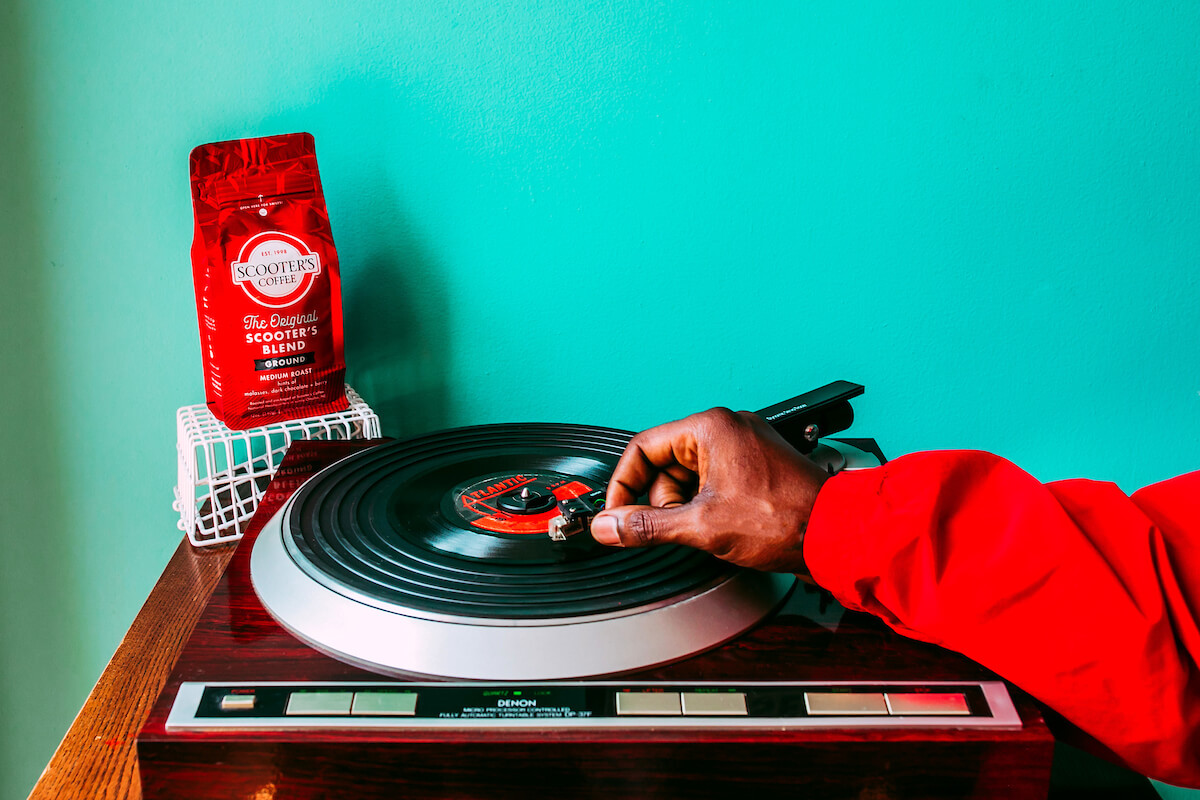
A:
268,292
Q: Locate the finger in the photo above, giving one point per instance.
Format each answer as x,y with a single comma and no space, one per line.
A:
647,454
639,526
672,490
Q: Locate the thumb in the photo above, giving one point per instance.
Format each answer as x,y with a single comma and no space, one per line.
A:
638,526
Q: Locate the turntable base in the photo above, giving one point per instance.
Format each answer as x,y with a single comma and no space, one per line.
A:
809,640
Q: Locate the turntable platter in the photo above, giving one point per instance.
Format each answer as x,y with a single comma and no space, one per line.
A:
430,557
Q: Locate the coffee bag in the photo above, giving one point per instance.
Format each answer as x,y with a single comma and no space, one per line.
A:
268,290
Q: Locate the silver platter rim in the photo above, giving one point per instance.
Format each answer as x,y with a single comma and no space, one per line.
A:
406,642
402,642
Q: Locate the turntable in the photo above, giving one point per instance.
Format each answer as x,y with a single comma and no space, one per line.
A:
429,618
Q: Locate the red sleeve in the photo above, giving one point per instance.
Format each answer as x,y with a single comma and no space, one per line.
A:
1085,598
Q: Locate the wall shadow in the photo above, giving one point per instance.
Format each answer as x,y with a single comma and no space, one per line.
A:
394,299
40,640
397,344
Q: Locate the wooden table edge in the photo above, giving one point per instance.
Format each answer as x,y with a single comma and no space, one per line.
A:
97,757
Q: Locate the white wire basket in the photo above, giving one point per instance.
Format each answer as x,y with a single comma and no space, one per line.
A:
223,473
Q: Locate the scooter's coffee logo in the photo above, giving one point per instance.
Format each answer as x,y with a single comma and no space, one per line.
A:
276,269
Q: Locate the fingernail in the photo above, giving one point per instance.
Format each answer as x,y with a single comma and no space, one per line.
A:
604,530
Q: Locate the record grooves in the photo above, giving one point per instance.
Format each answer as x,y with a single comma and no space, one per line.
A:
383,525
432,556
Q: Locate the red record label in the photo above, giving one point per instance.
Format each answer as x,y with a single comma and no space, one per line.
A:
521,503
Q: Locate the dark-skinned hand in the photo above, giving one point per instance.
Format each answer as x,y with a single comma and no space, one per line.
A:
721,481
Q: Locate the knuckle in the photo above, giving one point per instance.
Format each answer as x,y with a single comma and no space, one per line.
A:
642,527
632,450
638,440
716,420
750,418
722,413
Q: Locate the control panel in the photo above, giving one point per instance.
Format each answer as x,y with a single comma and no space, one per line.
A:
281,705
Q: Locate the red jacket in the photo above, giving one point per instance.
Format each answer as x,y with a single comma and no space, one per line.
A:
1085,598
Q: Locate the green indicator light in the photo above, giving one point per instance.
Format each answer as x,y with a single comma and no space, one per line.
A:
516,694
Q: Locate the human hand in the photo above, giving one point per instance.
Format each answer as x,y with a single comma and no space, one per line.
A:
720,481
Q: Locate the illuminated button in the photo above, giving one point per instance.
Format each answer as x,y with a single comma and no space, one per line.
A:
385,704
932,704
319,703
729,704
237,702
661,704
844,704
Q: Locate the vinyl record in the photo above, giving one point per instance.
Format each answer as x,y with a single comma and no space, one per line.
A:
418,556
431,524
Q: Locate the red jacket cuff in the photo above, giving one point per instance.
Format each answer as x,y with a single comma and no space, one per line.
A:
835,538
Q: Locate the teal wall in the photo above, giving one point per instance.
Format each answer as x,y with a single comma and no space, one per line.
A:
612,213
